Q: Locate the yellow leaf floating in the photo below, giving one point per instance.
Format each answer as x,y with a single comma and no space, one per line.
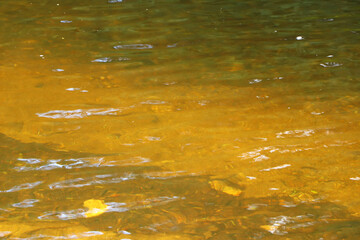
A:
270,228
224,187
96,207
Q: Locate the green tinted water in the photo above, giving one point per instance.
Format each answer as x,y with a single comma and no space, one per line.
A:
187,119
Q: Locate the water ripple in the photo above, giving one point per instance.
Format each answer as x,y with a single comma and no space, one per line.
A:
295,133
134,46
259,154
79,113
58,163
330,64
277,167
82,235
26,203
65,21
115,1
153,102
108,59
96,180
23,186
63,215
58,70
30,160
76,89
355,178
138,160
280,224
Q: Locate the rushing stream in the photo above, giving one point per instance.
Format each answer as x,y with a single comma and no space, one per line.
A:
186,119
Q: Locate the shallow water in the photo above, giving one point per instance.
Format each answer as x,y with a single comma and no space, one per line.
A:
189,119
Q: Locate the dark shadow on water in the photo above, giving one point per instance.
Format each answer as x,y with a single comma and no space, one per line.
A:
143,201
198,211
11,148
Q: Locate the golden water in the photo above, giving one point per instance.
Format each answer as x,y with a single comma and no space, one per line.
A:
188,119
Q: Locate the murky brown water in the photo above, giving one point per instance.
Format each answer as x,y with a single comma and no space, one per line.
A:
184,119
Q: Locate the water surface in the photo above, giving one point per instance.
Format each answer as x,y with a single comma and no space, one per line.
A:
189,119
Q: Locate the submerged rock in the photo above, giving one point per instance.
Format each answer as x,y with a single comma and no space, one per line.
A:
233,185
225,187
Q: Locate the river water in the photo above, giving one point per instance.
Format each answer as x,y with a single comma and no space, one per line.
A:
186,119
